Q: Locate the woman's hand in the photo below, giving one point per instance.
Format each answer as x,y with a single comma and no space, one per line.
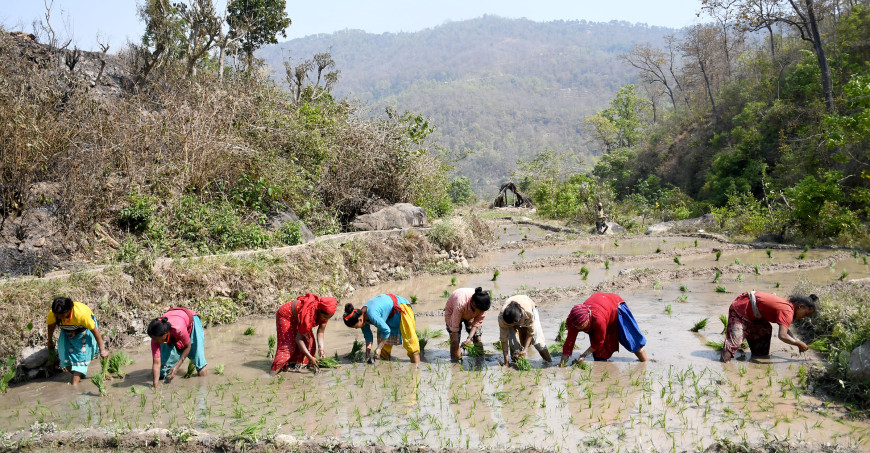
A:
802,347
104,353
320,353
521,353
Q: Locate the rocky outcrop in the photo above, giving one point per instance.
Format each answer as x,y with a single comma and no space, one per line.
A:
859,361
399,215
694,225
612,228
279,219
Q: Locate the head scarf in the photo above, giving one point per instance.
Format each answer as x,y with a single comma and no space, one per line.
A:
306,309
580,317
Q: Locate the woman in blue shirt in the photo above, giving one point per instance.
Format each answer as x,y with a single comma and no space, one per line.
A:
394,319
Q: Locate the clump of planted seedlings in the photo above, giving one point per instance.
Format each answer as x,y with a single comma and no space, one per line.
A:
474,350
677,260
328,362
272,342
97,380
724,320
718,254
249,331
495,275
8,374
721,289
523,364
356,352
699,325
584,272
607,264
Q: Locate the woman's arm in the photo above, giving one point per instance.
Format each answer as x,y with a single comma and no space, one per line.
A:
529,338
786,337
51,328
320,335
300,343
155,371
175,368
103,351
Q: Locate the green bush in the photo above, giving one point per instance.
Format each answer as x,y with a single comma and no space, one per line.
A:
136,217
215,226
817,208
290,234
460,191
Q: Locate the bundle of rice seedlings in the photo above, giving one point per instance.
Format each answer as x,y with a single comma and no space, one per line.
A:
724,320
328,362
523,364
716,345
699,325
356,354
116,361
474,350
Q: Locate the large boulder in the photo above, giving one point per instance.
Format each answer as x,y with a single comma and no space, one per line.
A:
34,357
399,215
279,219
698,223
859,361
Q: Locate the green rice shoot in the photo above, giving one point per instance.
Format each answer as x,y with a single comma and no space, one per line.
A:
328,362
699,325
523,364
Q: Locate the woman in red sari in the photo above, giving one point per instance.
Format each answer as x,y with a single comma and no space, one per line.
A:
295,322
749,319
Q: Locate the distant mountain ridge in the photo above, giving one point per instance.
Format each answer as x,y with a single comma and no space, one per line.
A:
499,89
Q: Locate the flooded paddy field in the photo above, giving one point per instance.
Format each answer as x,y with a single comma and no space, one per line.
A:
681,399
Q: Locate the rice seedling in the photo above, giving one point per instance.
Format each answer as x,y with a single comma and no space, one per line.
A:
677,260
446,294
249,331
658,250
413,299
328,362
739,277
521,252
495,275
219,369
272,342
616,243
8,374
768,251
356,352
806,248
865,260
668,309
497,345
114,363
802,256
683,288
716,278
737,261
756,270
425,335
699,325
97,379
843,276
191,369
607,264
724,320
563,330
452,281
716,345
657,285
584,272
523,364
819,344
682,298
718,254
721,289
696,242
474,350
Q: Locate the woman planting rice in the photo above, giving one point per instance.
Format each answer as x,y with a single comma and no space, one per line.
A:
393,318
79,339
520,327
176,336
465,307
295,322
607,320
749,319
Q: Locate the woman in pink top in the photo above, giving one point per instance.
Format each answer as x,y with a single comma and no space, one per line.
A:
749,319
175,336
465,307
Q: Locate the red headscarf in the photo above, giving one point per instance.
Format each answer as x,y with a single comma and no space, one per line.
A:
307,307
580,317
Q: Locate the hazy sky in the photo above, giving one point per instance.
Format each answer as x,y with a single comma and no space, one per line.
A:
116,21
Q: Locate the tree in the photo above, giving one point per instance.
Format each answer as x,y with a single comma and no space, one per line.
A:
653,64
203,30
164,32
700,45
619,125
256,23
298,75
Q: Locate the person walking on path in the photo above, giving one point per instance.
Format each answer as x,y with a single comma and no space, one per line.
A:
394,319
295,322
175,336
520,327
750,317
466,307
605,317
79,338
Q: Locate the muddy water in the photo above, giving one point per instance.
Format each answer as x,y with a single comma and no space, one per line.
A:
683,398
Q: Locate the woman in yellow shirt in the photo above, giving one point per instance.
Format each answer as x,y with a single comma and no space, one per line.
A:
79,338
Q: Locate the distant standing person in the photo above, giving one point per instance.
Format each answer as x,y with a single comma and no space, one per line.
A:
466,307
601,220
295,322
79,338
607,320
175,336
750,315
394,319
520,327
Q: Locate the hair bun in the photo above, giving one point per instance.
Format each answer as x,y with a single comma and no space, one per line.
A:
348,308
478,290
164,319
814,297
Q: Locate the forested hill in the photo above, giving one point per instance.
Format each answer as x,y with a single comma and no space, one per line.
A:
501,89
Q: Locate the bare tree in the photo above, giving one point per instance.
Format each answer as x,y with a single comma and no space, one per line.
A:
724,13
673,46
653,64
298,75
700,46
753,15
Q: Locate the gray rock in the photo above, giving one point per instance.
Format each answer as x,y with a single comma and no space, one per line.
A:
399,215
34,357
695,224
279,219
859,361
